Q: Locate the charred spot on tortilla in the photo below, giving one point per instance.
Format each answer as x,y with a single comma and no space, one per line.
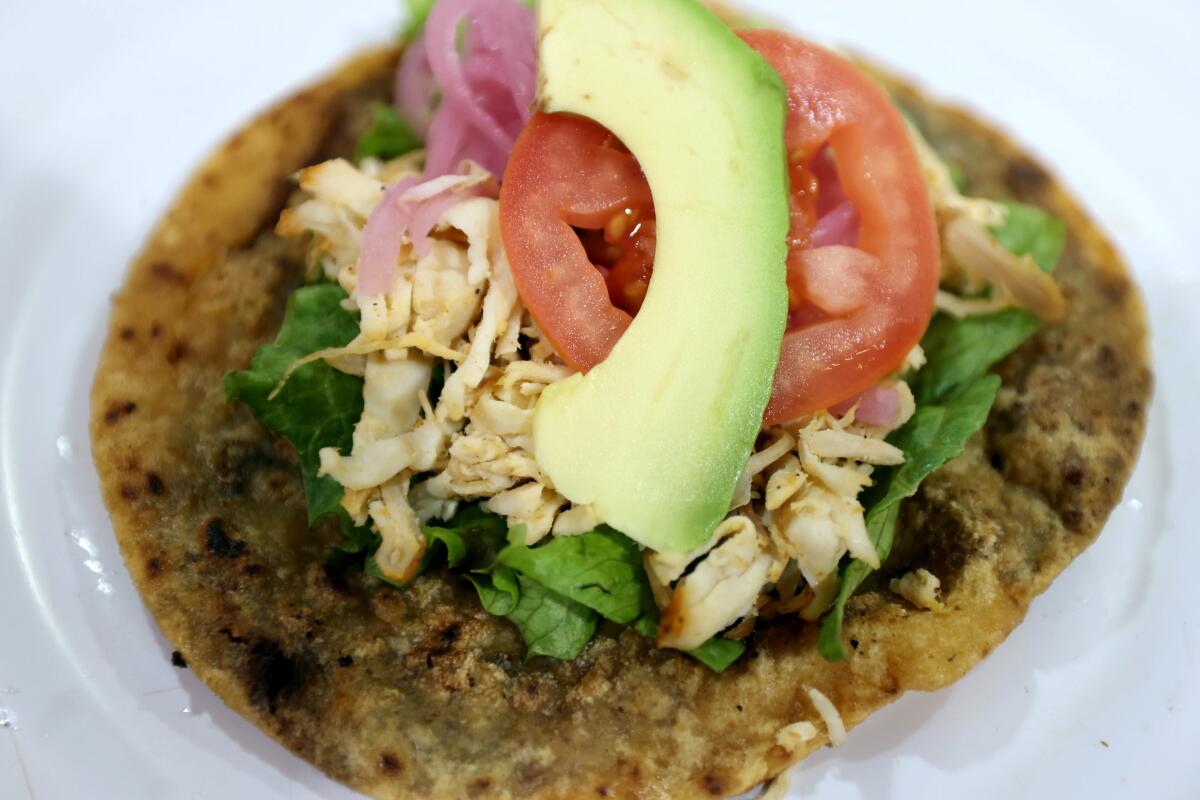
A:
466,714
154,567
154,484
118,411
163,270
177,352
220,543
274,676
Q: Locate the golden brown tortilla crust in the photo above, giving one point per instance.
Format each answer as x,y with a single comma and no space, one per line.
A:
419,693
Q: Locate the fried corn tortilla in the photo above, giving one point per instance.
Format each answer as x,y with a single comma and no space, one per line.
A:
421,693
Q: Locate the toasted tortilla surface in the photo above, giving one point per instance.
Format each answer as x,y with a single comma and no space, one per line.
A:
420,693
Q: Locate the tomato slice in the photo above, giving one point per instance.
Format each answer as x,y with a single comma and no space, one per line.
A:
834,109
568,173
577,221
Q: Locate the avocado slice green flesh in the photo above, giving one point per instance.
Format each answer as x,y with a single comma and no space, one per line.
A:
656,435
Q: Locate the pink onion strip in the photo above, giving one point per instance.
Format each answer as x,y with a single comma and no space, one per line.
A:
487,94
427,214
382,238
414,88
441,42
411,207
876,406
838,227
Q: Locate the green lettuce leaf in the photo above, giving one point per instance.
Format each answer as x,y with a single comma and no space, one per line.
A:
475,535
388,137
1030,231
556,591
357,539
418,13
957,176
601,569
960,350
881,527
443,540
499,590
935,435
318,407
552,625
469,541
716,654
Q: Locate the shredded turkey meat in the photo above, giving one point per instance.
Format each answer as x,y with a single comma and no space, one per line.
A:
795,515
972,260
452,319
722,588
919,587
455,309
416,458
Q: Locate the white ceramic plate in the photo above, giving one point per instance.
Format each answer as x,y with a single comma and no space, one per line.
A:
106,107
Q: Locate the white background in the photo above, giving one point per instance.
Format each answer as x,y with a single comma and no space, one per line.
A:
105,108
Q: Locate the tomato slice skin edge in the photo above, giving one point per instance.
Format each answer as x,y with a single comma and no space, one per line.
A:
832,103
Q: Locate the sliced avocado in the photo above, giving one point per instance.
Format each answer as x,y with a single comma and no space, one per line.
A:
656,435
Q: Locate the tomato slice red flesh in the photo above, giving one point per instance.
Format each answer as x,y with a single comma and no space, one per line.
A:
577,221
833,105
623,251
567,173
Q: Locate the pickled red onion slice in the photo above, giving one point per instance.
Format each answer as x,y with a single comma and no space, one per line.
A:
838,227
414,89
876,406
382,237
487,91
411,208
